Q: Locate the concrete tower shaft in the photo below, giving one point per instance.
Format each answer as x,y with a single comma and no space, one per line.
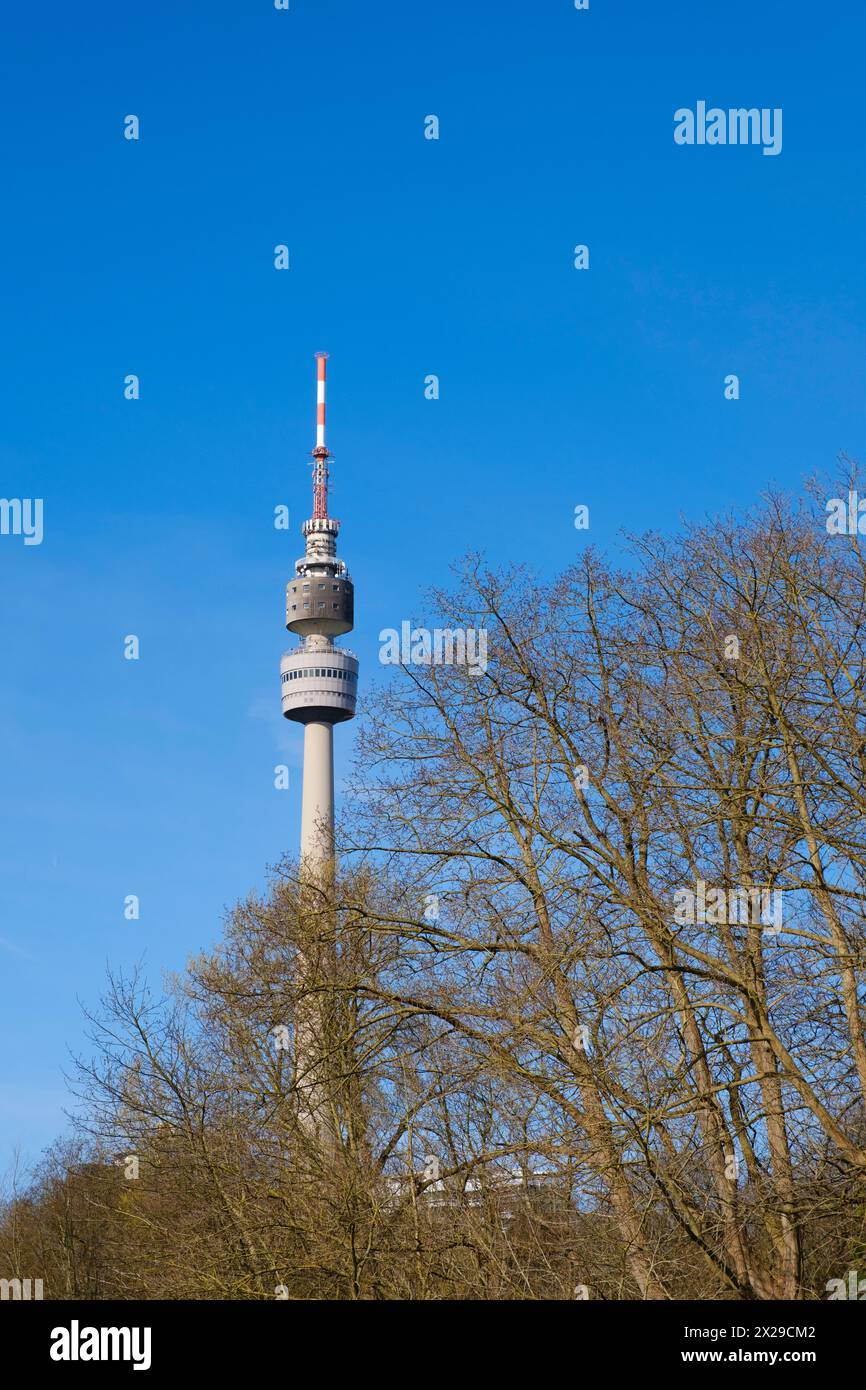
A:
317,805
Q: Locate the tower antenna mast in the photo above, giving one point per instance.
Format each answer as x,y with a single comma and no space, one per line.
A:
321,453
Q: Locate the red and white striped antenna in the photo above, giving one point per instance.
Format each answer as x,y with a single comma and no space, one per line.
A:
321,453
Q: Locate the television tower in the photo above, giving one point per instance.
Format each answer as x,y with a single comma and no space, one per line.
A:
318,685
319,681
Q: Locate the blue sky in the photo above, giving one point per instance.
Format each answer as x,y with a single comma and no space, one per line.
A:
408,257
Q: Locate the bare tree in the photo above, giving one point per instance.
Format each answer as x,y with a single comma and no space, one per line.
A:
582,1013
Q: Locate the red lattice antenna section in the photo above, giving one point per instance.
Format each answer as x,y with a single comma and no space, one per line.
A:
320,453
